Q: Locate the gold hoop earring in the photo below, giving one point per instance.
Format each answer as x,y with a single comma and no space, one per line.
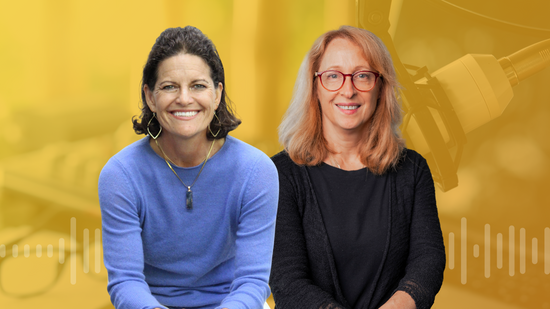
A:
149,123
215,135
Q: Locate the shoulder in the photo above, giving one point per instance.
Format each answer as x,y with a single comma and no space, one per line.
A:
281,157
122,173
249,168
283,162
411,168
246,160
411,161
237,151
235,146
412,172
292,177
129,158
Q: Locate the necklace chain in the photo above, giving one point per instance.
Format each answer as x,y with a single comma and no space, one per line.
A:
189,193
333,159
336,162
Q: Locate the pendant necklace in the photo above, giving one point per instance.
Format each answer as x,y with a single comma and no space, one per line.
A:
189,193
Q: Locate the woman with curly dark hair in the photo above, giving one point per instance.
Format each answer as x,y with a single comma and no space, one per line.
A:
188,212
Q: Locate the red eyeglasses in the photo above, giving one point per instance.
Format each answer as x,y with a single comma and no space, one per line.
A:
333,80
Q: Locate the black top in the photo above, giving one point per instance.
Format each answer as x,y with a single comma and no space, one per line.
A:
303,273
354,206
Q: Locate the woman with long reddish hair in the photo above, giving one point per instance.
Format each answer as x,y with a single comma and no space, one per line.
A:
357,223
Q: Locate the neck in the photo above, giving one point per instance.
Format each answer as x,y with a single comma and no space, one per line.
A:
345,149
184,152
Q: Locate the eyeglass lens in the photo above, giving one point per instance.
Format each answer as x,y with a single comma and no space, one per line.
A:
363,80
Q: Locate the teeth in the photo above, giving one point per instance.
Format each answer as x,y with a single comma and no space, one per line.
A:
185,114
348,106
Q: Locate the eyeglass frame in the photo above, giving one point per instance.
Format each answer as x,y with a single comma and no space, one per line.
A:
376,75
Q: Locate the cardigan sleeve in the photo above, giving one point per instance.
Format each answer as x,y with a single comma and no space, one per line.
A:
426,259
122,243
291,281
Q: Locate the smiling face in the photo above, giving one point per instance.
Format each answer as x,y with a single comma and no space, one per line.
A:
184,97
347,110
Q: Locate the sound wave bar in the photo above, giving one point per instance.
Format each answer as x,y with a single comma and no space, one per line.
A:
488,240
487,250
61,250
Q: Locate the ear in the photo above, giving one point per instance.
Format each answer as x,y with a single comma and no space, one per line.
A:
149,98
218,92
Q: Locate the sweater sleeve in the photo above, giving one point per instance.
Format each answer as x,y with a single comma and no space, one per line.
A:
254,242
122,243
426,259
291,280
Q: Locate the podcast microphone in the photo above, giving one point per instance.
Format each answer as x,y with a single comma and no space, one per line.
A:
441,108
479,88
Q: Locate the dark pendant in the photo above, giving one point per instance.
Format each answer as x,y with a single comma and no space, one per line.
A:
189,198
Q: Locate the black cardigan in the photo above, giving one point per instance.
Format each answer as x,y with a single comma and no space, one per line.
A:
303,273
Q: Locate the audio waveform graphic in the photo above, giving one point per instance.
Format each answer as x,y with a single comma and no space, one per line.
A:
49,251
495,244
493,248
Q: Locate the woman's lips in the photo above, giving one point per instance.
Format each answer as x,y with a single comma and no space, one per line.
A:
348,109
185,114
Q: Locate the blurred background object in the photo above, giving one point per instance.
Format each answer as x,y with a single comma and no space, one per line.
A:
481,123
70,85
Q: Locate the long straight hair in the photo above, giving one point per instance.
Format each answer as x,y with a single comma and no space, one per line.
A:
301,131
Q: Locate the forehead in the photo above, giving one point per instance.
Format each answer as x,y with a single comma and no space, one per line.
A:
184,65
344,54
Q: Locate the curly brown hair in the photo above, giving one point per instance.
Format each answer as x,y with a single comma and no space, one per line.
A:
188,40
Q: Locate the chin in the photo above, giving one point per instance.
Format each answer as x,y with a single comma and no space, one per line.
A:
351,126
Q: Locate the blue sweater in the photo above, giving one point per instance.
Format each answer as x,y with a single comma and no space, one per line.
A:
216,255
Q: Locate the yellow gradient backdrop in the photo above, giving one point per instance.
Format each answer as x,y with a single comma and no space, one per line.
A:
69,85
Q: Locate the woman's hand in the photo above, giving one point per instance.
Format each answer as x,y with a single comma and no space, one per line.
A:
399,300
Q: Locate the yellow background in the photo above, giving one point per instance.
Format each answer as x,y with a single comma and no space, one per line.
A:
69,85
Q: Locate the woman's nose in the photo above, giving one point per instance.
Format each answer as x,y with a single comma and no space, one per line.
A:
348,90
185,96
